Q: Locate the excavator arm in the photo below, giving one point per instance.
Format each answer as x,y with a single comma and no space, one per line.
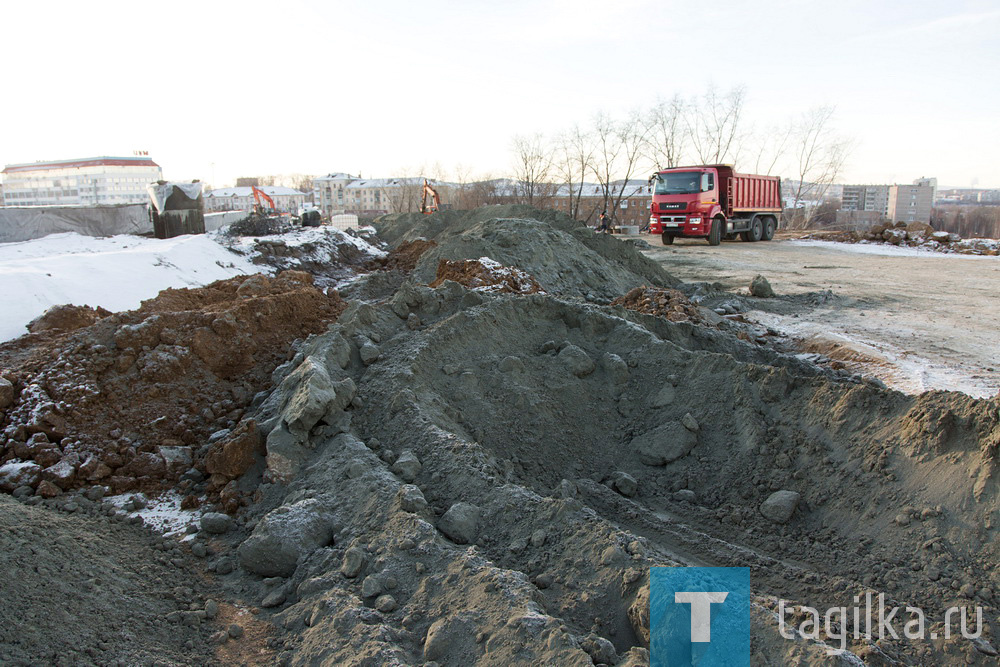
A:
435,205
259,194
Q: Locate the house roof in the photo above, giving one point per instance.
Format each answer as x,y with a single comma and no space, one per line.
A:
247,191
83,162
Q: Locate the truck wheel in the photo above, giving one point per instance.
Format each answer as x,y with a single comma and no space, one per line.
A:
668,239
715,235
756,232
769,227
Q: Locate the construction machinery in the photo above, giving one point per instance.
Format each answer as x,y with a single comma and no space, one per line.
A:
431,193
258,207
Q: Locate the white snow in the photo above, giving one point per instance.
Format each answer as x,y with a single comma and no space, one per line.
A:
162,513
324,239
117,272
886,249
903,370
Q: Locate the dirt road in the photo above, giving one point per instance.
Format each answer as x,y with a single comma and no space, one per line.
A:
932,316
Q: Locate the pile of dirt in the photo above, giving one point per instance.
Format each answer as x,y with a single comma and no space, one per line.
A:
485,275
66,318
403,257
562,254
667,303
258,225
430,497
842,349
83,586
329,254
130,402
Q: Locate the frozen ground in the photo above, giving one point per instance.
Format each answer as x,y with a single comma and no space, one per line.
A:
116,273
932,315
885,249
302,236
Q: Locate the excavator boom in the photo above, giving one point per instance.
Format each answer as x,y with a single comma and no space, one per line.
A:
435,205
259,194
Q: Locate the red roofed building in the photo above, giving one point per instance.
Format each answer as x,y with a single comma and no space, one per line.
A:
86,182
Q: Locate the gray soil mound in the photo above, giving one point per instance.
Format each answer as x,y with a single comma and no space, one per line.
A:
565,256
573,448
84,589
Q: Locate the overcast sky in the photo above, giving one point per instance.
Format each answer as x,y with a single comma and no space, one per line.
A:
214,90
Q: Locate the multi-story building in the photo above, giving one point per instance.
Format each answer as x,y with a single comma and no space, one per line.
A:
872,198
328,192
911,203
929,182
989,197
287,200
86,182
339,193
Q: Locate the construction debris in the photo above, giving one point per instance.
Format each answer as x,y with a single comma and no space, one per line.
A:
913,235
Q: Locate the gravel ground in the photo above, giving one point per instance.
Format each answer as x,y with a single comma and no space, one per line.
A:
932,315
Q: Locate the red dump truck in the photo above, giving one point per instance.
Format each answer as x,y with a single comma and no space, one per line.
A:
714,202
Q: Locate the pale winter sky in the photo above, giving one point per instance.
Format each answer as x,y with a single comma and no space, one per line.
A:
221,89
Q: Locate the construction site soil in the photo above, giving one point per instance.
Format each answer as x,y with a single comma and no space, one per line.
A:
470,473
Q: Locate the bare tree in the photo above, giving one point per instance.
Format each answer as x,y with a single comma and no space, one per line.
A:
667,134
532,169
575,159
463,190
819,155
769,146
403,192
489,191
714,125
619,155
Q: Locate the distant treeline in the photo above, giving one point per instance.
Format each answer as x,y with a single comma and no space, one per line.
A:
968,221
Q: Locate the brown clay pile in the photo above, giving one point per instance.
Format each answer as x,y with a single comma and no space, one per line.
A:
130,401
486,275
666,303
403,257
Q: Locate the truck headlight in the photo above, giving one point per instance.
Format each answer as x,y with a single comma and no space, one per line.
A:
694,221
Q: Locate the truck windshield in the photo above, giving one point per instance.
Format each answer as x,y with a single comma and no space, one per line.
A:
678,183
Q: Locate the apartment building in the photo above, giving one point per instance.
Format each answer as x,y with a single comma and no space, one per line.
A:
339,193
328,192
287,200
928,182
82,182
871,198
911,203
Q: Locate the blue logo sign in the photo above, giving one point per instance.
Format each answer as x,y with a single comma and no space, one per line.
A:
699,616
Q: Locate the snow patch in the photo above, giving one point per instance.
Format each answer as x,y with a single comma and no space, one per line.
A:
117,272
162,513
886,249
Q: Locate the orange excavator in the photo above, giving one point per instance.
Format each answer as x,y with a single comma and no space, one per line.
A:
259,194
435,205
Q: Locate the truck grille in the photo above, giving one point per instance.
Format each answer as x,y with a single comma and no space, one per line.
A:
672,206
672,219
